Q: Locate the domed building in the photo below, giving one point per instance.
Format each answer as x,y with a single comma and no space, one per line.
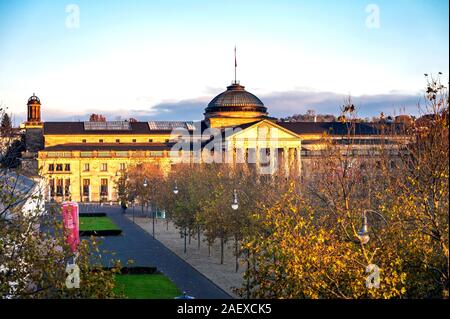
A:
233,107
83,161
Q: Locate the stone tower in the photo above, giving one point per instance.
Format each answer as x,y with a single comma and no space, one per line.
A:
34,111
34,137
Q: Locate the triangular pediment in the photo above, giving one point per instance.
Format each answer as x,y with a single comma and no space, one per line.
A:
260,129
265,132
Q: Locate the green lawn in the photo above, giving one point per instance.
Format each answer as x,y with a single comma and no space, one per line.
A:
155,286
97,223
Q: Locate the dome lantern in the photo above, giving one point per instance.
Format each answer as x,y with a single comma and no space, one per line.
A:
34,99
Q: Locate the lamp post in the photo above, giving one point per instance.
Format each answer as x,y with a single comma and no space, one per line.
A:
50,197
363,232
153,212
176,191
121,194
49,190
175,188
134,204
235,206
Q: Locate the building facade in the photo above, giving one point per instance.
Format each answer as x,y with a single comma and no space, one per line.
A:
83,161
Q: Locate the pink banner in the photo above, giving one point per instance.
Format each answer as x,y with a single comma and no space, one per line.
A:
71,224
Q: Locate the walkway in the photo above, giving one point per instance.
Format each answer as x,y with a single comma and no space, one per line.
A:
139,246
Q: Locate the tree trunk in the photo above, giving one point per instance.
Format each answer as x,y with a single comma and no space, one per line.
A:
236,253
221,250
189,236
185,250
198,237
248,275
209,249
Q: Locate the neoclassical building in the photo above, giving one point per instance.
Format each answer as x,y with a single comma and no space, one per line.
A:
83,160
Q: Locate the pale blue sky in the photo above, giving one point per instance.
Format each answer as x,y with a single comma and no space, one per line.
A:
138,56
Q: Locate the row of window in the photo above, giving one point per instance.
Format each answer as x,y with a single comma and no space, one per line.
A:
86,167
150,140
103,187
61,187
59,167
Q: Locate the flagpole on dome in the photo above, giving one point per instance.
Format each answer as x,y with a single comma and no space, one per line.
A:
235,65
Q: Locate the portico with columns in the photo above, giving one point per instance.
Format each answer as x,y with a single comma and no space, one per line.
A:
269,146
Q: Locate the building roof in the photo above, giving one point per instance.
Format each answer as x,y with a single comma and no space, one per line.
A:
113,128
16,183
16,187
332,128
165,127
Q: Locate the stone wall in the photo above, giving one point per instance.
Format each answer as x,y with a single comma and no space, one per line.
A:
34,139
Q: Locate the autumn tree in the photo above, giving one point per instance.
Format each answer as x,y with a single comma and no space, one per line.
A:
141,182
416,198
312,243
34,251
97,118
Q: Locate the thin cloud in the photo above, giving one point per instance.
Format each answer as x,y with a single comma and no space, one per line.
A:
279,104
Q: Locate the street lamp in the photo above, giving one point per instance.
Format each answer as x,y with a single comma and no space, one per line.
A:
175,191
175,188
134,204
363,233
235,204
153,211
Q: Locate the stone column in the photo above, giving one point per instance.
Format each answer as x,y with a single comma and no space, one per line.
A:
231,156
299,161
257,159
273,161
286,161
245,158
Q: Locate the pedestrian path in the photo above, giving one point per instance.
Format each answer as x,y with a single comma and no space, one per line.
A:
139,246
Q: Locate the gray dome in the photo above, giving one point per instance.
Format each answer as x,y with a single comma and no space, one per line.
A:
236,98
34,99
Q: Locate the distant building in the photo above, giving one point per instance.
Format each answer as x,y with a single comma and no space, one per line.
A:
82,161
